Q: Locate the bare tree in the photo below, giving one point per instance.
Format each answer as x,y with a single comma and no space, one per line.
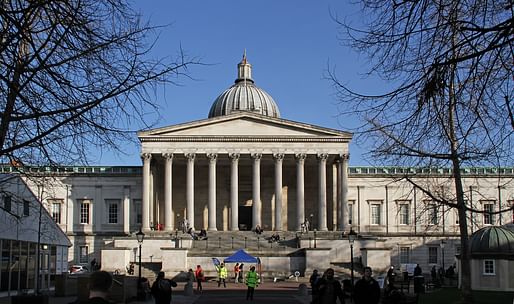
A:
449,64
75,75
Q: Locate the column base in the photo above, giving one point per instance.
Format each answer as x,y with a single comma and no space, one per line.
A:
212,229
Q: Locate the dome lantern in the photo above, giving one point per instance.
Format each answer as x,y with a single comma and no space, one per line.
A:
244,96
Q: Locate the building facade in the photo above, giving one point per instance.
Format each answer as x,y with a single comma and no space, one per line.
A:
245,166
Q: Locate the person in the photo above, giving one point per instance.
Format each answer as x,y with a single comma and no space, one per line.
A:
241,274
390,275
391,294
433,274
417,270
236,273
252,281
307,225
100,283
222,274
440,273
329,289
130,268
191,278
185,225
93,264
161,289
367,290
275,237
258,229
203,234
450,273
199,278
313,280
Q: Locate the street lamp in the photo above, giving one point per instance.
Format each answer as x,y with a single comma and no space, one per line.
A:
352,235
140,235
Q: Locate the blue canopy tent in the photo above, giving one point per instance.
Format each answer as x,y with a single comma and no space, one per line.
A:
241,256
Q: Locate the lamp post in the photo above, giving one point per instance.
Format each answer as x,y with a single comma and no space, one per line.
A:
352,235
140,235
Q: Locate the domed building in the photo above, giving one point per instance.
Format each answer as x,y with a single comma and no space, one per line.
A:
492,259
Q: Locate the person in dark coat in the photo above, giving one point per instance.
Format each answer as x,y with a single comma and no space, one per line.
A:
329,289
161,289
100,283
367,290
417,270
313,280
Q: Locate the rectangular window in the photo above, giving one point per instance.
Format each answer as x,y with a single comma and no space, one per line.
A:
56,211
7,203
404,214
433,218
113,207
404,255
138,211
84,211
83,254
432,255
26,208
488,216
350,214
489,267
375,214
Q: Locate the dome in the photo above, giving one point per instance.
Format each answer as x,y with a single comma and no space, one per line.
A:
244,95
492,241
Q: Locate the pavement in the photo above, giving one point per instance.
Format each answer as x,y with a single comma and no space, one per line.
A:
287,291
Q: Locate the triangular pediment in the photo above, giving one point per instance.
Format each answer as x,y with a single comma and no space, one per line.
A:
245,124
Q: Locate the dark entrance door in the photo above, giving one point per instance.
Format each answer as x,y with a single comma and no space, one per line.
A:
245,218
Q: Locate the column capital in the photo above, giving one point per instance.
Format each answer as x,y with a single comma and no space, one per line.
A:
212,157
146,156
344,156
278,156
234,156
190,156
167,156
256,156
322,156
300,157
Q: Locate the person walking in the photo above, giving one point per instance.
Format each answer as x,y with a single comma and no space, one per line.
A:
252,281
222,274
367,290
161,289
313,280
417,270
329,289
199,278
100,283
236,273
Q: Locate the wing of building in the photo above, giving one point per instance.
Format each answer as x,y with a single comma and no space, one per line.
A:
245,167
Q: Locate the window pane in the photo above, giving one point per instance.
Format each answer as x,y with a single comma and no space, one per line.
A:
375,214
83,254
56,212
404,255
433,218
26,208
489,267
137,211
404,214
84,212
488,217
432,255
113,213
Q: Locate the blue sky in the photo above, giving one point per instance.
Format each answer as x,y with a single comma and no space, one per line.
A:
290,44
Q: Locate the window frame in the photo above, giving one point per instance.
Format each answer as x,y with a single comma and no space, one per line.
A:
84,258
53,203
83,210
488,218
375,219
404,251
433,257
489,271
138,212
7,200
433,211
26,208
404,219
116,215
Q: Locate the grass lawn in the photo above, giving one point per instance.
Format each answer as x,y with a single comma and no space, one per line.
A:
451,296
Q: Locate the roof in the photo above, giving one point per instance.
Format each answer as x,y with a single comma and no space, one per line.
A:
492,242
241,256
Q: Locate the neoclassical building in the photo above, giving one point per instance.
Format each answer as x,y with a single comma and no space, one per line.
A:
245,166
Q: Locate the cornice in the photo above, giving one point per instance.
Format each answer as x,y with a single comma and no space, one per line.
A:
242,139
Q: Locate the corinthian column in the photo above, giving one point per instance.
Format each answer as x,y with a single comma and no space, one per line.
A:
344,190
300,186
212,191
234,191
168,204
257,208
322,192
279,157
147,157
190,195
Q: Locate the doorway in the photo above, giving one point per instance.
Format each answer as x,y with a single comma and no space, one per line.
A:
245,218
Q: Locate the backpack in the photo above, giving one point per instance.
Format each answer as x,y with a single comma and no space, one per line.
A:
164,285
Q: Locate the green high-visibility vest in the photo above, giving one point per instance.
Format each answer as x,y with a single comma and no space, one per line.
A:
252,279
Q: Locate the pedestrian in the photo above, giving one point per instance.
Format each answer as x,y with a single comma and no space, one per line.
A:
433,274
313,280
191,278
241,273
222,274
100,283
252,281
329,289
199,278
161,289
390,275
93,264
367,290
236,273
417,270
